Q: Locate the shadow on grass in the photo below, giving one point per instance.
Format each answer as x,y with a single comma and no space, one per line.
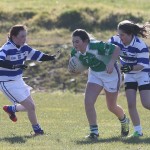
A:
135,140
15,139
114,139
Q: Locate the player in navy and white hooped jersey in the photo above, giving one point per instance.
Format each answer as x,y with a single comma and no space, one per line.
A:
13,55
136,52
134,58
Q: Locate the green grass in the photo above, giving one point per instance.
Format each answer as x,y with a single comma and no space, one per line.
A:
48,5
51,22
63,119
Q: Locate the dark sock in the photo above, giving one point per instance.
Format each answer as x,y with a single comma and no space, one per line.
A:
36,128
12,108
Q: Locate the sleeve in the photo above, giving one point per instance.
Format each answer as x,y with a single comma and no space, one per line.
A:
115,40
143,57
3,63
111,40
46,57
34,54
105,48
3,54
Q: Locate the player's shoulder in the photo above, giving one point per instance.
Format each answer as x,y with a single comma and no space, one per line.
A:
115,38
26,47
93,44
8,45
139,43
92,41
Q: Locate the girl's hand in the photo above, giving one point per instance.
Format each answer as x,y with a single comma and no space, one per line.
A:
110,67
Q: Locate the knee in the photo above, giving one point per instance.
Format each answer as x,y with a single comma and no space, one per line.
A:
131,106
111,108
88,103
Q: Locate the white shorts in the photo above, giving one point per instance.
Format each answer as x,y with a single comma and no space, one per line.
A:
141,78
16,91
110,82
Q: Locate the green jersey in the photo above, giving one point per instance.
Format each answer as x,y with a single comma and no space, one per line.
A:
97,55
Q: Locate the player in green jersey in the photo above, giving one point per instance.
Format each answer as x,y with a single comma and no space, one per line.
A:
103,73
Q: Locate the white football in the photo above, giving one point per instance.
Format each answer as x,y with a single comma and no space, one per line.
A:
75,65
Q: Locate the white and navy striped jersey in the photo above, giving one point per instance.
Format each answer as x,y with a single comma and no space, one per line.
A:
13,55
135,53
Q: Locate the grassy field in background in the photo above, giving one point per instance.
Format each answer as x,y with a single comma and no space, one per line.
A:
48,5
63,119
48,20
31,12
50,24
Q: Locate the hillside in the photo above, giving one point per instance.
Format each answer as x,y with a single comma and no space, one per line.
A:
50,24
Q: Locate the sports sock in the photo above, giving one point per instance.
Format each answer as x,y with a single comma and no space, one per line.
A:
12,108
138,129
36,128
122,121
94,129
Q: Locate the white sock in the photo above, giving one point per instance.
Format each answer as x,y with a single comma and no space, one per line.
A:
94,129
138,129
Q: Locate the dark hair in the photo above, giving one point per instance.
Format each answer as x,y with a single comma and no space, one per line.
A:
135,29
14,30
82,34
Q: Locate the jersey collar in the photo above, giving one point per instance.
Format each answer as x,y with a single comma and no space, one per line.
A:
17,46
87,48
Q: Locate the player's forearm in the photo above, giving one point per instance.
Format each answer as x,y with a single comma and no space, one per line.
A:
5,65
115,54
137,67
47,57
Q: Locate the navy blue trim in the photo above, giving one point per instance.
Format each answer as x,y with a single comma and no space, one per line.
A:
10,73
146,70
118,73
2,57
8,93
26,48
36,55
11,52
112,40
4,51
134,41
128,58
15,62
143,60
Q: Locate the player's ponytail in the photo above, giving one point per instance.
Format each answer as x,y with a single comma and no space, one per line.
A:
135,29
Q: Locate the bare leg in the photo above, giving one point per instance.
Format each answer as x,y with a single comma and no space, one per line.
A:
131,98
29,106
20,107
145,98
118,111
92,92
111,99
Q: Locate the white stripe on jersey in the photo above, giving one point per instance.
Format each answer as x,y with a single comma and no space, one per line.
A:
143,55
